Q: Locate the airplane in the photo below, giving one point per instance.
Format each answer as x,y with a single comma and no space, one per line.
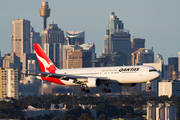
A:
127,76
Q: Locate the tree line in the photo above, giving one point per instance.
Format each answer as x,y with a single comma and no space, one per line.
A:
122,106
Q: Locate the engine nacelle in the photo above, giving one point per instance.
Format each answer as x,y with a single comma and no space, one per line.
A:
93,82
129,85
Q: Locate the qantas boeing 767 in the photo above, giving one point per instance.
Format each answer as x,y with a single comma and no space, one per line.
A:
93,77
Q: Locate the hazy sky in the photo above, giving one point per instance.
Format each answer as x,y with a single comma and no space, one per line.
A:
157,21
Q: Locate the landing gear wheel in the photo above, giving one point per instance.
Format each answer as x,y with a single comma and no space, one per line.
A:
149,88
104,89
149,85
87,91
82,89
108,90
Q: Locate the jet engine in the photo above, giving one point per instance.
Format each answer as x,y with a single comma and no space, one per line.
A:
93,82
128,85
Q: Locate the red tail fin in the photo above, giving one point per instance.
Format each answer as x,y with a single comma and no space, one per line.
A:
45,63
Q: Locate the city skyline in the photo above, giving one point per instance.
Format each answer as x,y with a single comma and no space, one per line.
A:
156,22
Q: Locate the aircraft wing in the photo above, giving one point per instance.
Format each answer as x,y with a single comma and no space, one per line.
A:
60,76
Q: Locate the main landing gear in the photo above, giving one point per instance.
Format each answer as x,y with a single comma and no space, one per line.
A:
106,89
149,85
85,90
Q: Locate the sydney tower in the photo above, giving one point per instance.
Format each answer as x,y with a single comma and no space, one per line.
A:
44,12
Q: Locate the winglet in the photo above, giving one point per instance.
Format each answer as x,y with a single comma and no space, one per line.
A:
45,63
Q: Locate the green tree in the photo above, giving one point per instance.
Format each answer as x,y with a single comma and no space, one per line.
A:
86,116
102,117
128,115
56,106
68,117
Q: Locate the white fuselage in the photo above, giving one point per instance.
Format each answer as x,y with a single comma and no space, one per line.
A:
113,75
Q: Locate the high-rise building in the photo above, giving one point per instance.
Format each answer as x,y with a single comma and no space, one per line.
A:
86,49
11,61
178,61
173,61
75,37
52,34
117,38
54,52
20,37
30,62
161,111
173,66
35,38
142,55
8,83
169,88
151,110
79,59
137,43
112,59
114,22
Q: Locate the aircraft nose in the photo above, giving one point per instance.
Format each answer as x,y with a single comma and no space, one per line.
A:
156,74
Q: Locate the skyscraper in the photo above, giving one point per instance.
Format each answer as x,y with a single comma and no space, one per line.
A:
137,43
54,52
84,53
142,55
173,66
9,83
75,37
114,22
117,38
52,34
20,37
35,38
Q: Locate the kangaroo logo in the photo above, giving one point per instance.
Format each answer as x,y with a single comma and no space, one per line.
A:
48,66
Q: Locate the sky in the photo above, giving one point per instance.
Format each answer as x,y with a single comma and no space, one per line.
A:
157,21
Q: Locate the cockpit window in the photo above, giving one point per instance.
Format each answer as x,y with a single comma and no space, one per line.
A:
151,70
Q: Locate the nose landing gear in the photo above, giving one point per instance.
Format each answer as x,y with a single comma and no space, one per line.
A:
149,83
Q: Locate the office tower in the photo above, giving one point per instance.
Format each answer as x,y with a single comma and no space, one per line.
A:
151,110
11,61
44,12
79,59
30,62
159,59
86,49
173,61
161,111
75,37
35,38
20,37
0,60
142,55
9,83
114,22
112,59
117,38
54,52
173,66
169,88
170,111
137,43
52,34
178,61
